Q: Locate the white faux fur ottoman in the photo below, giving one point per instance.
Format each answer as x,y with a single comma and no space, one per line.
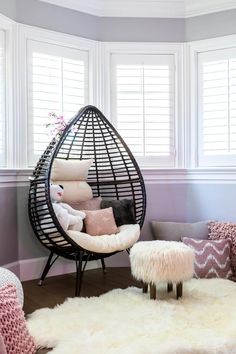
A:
162,261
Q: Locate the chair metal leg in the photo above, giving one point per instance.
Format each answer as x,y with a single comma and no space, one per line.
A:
169,287
47,267
145,288
179,290
103,266
153,291
79,272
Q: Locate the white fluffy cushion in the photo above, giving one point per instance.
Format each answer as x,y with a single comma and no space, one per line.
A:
125,238
70,170
75,191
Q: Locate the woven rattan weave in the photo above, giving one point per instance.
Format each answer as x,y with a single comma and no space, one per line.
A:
113,175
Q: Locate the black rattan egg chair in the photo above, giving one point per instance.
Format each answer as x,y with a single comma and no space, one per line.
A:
113,175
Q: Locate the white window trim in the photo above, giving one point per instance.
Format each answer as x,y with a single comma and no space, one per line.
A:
99,54
175,49
192,127
26,33
9,27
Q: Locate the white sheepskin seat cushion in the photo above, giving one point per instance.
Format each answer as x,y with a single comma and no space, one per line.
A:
157,261
125,238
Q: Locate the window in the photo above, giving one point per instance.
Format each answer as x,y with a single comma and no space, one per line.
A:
2,98
57,82
217,108
143,106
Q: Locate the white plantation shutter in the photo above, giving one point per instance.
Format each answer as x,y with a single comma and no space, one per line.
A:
217,108
2,98
143,90
57,82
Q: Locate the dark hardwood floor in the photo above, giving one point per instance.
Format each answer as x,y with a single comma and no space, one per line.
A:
56,289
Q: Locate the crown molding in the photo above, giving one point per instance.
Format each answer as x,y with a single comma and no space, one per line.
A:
146,8
92,7
126,8
204,7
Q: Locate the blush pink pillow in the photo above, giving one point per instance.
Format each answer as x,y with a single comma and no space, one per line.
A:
225,230
212,258
16,337
100,222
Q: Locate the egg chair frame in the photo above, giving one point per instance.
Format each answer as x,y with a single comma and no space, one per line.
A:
114,174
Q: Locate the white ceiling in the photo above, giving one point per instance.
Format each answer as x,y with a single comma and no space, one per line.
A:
146,8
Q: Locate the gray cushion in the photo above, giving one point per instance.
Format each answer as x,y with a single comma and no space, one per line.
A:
174,231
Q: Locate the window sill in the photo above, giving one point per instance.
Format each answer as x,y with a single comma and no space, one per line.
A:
20,177
192,175
13,177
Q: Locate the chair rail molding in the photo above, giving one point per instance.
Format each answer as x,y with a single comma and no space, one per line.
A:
14,177
20,178
195,175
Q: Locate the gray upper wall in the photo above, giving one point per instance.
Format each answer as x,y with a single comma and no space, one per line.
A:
8,8
142,29
41,14
56,18
48,16
210,26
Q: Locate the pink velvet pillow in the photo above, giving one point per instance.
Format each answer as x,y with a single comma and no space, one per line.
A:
212,258
16,337
225,230
100,222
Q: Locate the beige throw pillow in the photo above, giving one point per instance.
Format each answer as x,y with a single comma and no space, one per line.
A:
75,191
70,170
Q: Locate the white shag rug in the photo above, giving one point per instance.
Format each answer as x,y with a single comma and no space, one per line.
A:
128,322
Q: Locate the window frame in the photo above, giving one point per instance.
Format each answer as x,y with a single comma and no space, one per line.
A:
52,50
26,34
193,49
130,59
175,49
8,26
187,169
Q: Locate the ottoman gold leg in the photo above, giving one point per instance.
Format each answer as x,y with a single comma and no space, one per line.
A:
145,288
179,290
153,291
169,287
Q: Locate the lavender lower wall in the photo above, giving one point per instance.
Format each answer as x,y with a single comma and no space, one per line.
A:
28,245
185,203
8,225
165,202
189,203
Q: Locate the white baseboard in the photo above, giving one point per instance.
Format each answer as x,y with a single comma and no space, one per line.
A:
30,269
14,267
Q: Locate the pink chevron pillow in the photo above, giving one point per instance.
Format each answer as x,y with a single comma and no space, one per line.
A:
212,258
225,230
